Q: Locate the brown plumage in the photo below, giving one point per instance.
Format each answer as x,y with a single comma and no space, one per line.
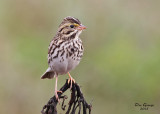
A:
65,50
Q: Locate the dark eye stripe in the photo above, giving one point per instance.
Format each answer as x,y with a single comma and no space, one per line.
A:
61,29
68,32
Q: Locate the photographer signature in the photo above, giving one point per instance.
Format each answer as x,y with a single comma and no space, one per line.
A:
144,106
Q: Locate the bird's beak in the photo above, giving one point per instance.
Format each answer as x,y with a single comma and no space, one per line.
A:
81,27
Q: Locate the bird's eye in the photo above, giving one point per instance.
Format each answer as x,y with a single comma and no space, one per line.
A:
72,26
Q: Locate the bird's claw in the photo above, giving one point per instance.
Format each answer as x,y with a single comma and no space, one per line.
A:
56,95
71,80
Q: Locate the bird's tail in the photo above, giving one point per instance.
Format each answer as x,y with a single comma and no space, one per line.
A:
48,74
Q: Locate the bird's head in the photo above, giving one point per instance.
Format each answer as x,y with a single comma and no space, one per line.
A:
70,26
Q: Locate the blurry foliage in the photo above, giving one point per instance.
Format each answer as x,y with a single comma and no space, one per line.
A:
120,65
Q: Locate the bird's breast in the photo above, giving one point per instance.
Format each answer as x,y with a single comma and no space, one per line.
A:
66,57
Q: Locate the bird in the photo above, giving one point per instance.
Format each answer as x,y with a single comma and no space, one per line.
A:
65,50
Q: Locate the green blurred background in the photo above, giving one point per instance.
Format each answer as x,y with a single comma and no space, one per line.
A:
120,66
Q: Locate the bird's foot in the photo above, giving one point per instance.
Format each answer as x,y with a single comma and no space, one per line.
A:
71,80
57,94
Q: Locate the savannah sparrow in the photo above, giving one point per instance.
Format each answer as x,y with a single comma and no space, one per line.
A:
65,50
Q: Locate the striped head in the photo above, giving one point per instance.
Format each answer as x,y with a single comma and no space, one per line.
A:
70,27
